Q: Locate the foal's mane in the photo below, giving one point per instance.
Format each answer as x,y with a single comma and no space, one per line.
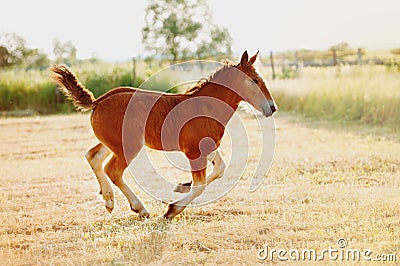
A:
202,82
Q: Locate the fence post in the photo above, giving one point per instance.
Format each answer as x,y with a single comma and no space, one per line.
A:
133,71
271,56
359,57
296,60
334,57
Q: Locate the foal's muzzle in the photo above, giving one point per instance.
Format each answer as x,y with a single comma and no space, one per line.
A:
269,108
273,108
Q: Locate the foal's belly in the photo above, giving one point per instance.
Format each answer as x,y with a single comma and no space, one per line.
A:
190,136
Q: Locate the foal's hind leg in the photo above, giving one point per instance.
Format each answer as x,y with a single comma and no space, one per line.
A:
96,156
217,172
114,169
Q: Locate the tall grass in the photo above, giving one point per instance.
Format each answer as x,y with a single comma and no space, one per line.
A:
367,94
35,90
21,90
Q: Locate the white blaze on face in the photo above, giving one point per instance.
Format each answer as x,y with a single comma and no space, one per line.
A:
254,96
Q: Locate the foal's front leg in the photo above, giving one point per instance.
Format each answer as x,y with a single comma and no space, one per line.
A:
218,167
198,186
217,172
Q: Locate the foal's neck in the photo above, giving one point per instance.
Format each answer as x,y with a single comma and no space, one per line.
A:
221,93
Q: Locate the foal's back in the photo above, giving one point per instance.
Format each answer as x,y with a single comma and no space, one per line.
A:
128,117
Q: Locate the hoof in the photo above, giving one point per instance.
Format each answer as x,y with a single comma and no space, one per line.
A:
109,205
183,187
142,213
166,218
109,209
172,211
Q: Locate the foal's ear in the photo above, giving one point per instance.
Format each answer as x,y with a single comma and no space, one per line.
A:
253,59
245,59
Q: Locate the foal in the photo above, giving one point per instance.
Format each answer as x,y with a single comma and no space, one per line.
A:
125,119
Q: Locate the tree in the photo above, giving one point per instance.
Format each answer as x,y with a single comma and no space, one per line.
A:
343,46
13,49
64,52
343,49
395,51
5,57
220,44
182,29
14,52
36,58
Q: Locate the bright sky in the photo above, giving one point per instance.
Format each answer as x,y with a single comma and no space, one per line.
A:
112,29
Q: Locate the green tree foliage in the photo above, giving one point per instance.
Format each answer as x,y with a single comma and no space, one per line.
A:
220,44
343,46
14,52
182,29
5,57
36,58
343,49
64,52
13,49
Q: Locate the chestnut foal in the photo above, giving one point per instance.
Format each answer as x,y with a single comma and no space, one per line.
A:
124,119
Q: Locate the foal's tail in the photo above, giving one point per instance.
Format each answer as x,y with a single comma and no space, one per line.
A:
81,97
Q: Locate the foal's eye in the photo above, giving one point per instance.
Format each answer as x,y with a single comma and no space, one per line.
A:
255,81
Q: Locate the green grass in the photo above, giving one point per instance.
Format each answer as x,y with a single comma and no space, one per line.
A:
35,90
368,94
20,90
26,92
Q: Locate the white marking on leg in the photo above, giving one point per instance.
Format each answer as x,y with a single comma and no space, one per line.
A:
178,206
134,201
218,167
198,186
217,172
194,192
96,162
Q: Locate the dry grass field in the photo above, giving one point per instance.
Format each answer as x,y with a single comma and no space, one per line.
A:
327,182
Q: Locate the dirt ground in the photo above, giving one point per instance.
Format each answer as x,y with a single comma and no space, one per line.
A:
328,183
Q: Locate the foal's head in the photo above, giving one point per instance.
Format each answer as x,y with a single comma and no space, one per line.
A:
252,88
